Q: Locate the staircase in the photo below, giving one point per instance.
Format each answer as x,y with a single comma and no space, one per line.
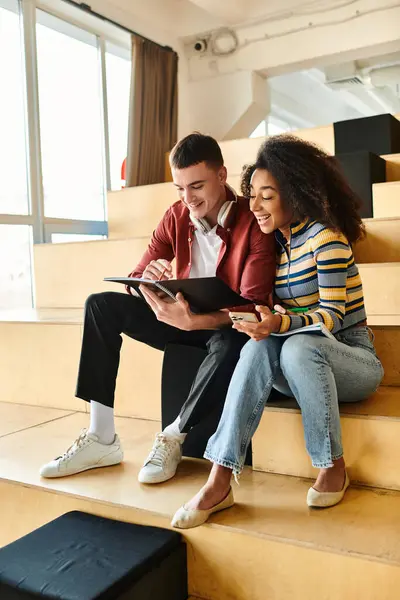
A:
270,546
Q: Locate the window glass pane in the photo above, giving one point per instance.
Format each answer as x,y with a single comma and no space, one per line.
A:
13,169
118,71
70,103
58,238
15,272
277,126
259,130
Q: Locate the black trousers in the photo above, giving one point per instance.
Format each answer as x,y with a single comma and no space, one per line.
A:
109,314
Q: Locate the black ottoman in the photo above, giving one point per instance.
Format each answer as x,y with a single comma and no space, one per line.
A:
362,170
84,557
379,134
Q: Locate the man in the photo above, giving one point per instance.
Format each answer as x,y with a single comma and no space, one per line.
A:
209,231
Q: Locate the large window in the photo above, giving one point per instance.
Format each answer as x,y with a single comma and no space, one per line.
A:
71,129
118,67
15,238
13,163
15,266
64,103
271,126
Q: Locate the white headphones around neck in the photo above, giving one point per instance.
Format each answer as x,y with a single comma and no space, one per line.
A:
204,226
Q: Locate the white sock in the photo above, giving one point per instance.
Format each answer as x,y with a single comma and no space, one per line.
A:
102,422
174,431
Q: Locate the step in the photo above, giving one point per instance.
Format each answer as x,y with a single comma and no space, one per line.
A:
18,417
382,242
371,440
387,345
85,264
65,274
44,346
386,199
136,211
392,167
243,151
269,545
381,284
237,153
39,358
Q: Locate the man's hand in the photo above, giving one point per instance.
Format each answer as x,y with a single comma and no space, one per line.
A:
269,323
158,270
177,314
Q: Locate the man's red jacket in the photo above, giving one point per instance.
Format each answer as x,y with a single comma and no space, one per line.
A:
247,259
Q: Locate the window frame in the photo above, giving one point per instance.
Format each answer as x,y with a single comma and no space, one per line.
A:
107,36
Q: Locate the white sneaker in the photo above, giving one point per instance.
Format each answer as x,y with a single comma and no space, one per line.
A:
163,460
84,454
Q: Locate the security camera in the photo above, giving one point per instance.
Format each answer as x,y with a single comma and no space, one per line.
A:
200,46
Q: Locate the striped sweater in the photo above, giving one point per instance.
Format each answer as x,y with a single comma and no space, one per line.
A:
317,270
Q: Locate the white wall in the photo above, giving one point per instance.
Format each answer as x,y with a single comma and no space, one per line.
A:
227,107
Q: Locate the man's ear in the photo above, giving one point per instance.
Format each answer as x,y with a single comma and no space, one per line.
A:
223,175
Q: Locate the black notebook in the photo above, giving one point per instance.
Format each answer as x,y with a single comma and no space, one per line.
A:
204,294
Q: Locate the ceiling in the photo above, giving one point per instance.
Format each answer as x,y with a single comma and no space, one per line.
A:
316,97
240,12
191,17
303,99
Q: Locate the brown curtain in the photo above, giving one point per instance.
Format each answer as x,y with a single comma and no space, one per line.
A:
153,111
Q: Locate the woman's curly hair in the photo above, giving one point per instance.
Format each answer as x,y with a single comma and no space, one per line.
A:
310,182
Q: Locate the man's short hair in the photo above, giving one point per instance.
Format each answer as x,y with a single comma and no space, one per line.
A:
194,149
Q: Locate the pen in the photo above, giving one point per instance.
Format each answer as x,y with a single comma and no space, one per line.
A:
162,274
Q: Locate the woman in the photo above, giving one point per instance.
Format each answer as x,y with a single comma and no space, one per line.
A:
297,191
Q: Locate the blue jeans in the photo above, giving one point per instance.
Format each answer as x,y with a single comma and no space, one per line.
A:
317,371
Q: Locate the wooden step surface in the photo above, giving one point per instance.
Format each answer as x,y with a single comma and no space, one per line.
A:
381,243
239,152
387,345
66,274
136,211
269,545
17,417
371,440
381,285
386,199
392,167
39,360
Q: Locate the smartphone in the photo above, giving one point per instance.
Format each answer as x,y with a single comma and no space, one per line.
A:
243,316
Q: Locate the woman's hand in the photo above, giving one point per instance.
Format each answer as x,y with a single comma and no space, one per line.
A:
269,323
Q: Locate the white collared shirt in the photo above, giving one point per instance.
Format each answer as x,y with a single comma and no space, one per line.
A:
205,252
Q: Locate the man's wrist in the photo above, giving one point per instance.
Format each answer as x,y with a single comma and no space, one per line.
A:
211,321
191,322
196,322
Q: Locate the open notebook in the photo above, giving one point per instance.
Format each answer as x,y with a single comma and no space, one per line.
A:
316,328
